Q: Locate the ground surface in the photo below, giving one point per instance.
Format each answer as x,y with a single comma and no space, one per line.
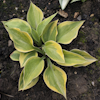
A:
84,82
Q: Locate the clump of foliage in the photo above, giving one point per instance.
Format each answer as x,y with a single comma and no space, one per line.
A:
63,3
47,37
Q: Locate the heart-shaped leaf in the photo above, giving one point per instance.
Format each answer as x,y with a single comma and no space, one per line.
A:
21,82
54,51
50,32
43,24
33,68
72,59
34,15
63,3
22,40
55,78
15,55
18,23
87,56
25,56
67,31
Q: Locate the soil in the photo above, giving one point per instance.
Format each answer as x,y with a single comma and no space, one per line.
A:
83,82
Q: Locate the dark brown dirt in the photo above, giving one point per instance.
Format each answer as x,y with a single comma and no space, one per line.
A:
84,82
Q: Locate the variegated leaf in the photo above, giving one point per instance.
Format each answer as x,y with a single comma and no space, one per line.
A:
25,56
15,55
50,32
34,15
22,40
33,68
54,51
63,3
21,82
55,78
18,23
67,31
87,56
43,24
72,59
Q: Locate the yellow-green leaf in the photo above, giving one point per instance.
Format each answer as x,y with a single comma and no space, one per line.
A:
43,24
72,59
50,32
15,55
87,56
67,31
34,15
35,35
54,51
22,40
25,56
21,82
34,81
33,68
55,78
18,23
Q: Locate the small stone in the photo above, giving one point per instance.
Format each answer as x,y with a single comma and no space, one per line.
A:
79,17
92,15
75,72
45,8
4,1
76,14
16,8
49,3
92,83
22,10
83,26
63,13
9,43
14,14
95,23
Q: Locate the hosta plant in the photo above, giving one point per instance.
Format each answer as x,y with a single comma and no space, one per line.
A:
38,41
63,3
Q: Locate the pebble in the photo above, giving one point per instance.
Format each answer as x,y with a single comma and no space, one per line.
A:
92,83
49,3
75,72
76,14
92,15
22,10
16,8
83,26
9,43
63,13
79,17
4,1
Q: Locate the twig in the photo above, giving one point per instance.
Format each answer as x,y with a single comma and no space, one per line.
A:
6,94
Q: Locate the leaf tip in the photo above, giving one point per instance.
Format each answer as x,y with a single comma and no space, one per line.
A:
3,22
